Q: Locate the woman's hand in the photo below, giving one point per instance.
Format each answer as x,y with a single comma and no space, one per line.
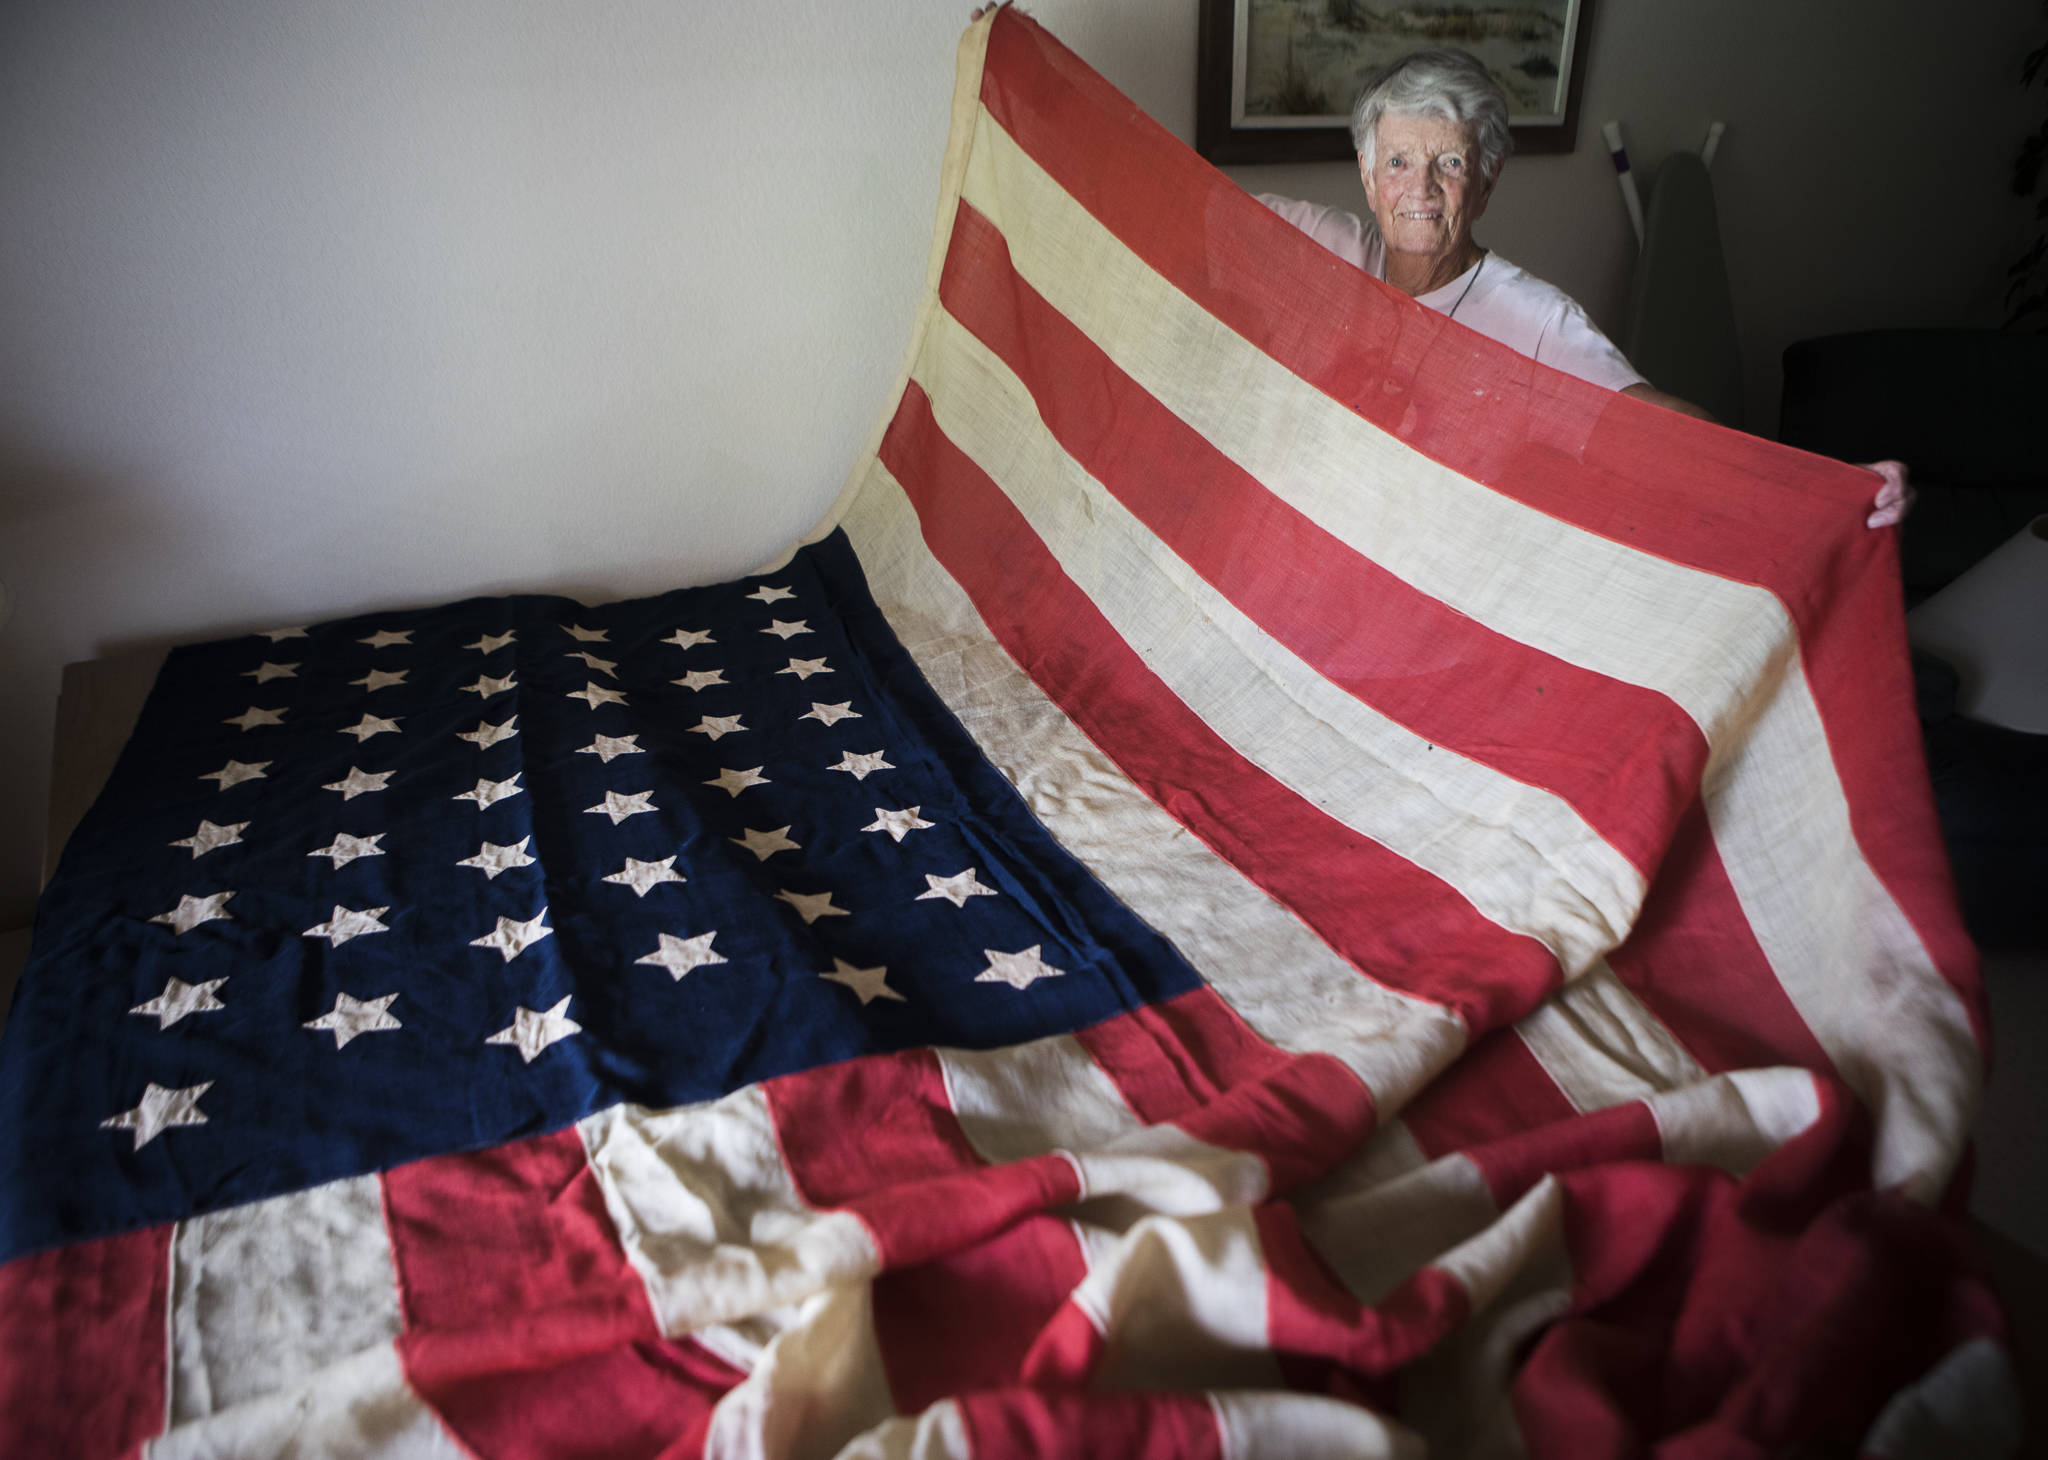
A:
1893,498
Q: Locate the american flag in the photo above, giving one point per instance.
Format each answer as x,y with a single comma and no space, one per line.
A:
1276,879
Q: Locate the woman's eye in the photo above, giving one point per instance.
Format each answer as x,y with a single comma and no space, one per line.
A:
1454,164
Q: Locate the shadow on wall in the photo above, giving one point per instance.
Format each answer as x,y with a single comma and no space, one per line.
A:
69,536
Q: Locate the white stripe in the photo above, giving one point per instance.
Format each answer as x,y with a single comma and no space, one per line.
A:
937,1434
1735,1120
1265,1425
1181,1303
1968,1404
1376,1239
709,1216
1844,951
1286,984
1164,1169
358,1408
266,1294
1602,1047
1527,1232
1724,651
1520,855
1028,1099
816,1387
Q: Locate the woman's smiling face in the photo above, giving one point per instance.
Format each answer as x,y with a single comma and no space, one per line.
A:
1424,185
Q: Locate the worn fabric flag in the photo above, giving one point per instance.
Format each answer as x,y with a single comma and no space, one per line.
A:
1276,879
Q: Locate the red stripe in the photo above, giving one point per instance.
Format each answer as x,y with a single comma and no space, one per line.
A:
1620,1133
1414,932
966,1321
1065,1351
1309,1313
1771,1316
1626,470
877,1137
1693,961
1626,758
1193,1061
1496,1089
83,1347
1023,1424
1168,1060
520,1306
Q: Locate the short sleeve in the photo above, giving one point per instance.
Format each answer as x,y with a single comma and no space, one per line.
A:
1336,230
1571,342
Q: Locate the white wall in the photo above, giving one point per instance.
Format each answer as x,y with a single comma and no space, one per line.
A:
312,308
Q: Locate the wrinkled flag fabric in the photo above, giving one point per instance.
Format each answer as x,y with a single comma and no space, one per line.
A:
1276,879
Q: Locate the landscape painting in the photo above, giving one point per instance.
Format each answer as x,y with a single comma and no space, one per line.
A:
1293,67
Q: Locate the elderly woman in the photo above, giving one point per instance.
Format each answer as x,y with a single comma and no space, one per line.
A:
1431,133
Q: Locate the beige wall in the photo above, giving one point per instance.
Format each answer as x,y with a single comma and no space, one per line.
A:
310,308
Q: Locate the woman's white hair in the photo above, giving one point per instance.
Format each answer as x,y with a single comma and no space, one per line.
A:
1438,83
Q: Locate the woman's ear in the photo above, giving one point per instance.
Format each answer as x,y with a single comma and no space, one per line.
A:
1365,176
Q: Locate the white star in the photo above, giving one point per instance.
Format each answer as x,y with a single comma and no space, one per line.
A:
869,983
350,1017
831,714
266,671
235,772
278,636
250,718
689,638
585,636
644,877
345,848
494,859
359,783
160,1110
385,638
618,807
609,747
596,694
346,923
490,643
805,668
955,889
486,686
378,679
370,725
210,836
765,844
179,999
733,782
486,734
602,666
783,630
486,791
1018,970
192,911
899,824
512,937
860,767
531,1032
811,906
765,594
681,955
717,725
699,678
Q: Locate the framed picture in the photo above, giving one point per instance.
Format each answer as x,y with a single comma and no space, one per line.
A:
1276,78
